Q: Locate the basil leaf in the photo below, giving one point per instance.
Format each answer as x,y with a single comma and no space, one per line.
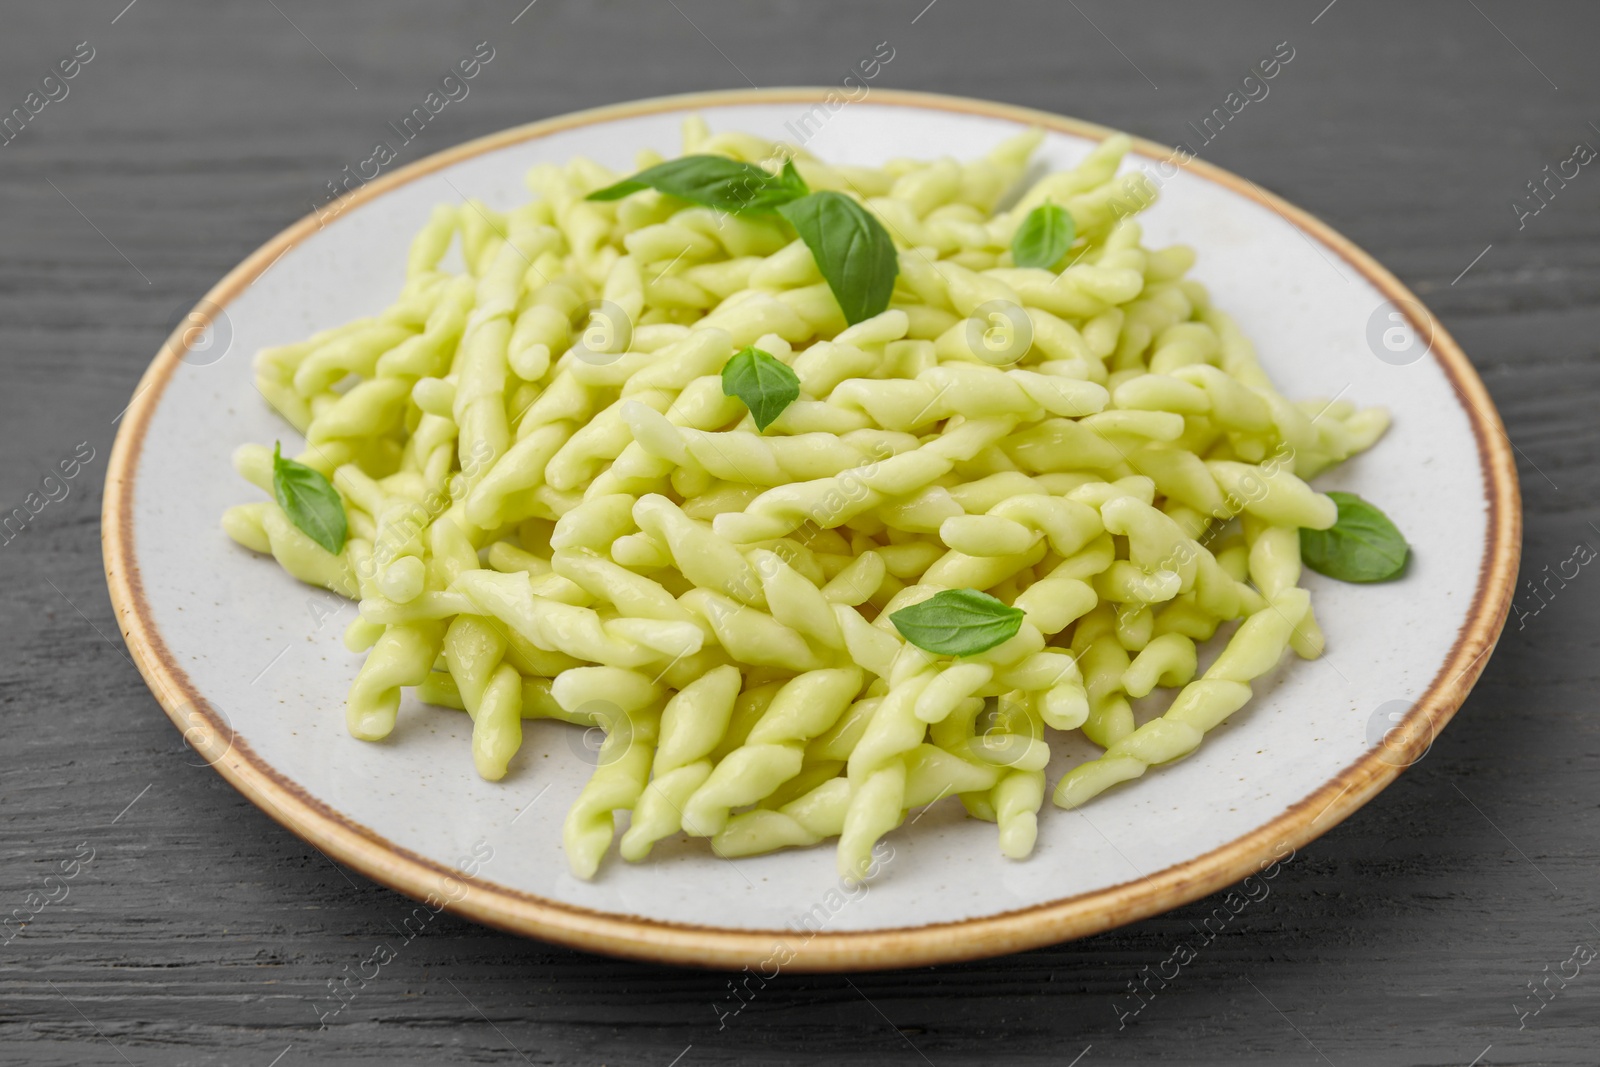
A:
764,383
714,181
310,501
852,249
1362,546
790,186
1044,237
957,622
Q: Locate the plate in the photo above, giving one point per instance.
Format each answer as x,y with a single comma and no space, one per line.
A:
249,664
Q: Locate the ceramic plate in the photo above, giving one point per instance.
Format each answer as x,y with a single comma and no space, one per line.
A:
249,663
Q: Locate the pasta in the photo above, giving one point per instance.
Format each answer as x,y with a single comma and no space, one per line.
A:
621,459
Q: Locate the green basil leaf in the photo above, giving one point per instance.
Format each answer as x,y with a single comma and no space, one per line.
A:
310,501
1044,237
852,249
1362,546
790,184
957,622
715,181
764,383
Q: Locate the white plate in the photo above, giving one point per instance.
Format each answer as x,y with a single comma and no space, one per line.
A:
250,664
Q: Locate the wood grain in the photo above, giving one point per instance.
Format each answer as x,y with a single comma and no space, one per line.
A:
201,933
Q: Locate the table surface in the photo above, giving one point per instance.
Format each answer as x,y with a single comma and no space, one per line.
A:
201,932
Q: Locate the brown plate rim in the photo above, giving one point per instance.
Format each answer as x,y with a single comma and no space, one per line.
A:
649,939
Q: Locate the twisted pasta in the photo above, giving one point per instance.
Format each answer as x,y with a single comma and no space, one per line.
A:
691,726
561,503
774,750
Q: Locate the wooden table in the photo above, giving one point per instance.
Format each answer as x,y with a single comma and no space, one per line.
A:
201,932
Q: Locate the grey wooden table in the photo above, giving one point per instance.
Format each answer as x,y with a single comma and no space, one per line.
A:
197,931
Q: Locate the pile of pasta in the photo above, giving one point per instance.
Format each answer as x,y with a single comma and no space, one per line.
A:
556,511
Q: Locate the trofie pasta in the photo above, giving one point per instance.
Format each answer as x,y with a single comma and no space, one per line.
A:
793,483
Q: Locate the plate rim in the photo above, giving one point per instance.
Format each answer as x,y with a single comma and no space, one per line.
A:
660,941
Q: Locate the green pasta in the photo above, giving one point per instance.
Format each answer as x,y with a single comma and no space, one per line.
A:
641,464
